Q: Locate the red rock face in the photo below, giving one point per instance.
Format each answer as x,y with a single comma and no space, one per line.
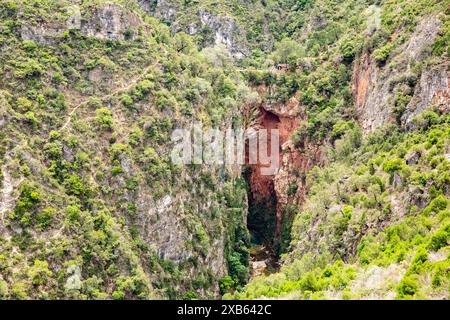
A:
361,80
262,186
294,163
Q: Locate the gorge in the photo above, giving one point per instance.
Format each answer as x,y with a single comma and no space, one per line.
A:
93,207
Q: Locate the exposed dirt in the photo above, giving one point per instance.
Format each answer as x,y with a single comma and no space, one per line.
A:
7,200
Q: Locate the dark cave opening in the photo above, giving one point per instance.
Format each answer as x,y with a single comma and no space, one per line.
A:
261,224
261,217
262,202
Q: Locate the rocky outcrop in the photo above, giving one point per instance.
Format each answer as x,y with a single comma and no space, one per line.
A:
161,9
433,89
288,184
225,31
370,96
111,22
6,199
3,110
41,33
374,86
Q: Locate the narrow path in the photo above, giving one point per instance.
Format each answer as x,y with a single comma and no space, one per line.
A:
7,201
113,93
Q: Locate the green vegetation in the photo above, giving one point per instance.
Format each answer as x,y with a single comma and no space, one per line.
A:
98,210
347,203
87,139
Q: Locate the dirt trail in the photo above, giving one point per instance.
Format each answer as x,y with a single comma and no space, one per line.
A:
6,193
113,93
7,200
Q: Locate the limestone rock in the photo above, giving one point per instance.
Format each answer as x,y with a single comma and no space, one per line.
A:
373,86
413,158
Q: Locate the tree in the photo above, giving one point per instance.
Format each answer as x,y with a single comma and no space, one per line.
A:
288,51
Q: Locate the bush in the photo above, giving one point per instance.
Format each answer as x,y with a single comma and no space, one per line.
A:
39,272
440,239
437,204
104,118
126,100
27,68
236,269
20,290
75,186
45,218
226,284
408,287
26,205
393,165
73,215
382,54
309,283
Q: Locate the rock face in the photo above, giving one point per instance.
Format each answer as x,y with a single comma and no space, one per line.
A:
287,185
225,31
413,158
3,110
433,89
374,87
109,22
370,99
162,9
40,33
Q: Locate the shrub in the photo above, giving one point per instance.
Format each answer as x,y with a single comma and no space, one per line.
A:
440,239
437,204
26,205
309,283
20,290
104,118
408,286
393,165
236,269
4,292
382,54
75,186
349,47
27,68
39,272
126,100
45,218
73,215
226,284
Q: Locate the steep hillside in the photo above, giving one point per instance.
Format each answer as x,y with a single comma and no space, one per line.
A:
370,92
92,207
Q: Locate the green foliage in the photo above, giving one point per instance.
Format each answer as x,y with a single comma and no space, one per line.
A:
104,118
39,272
85,179
27,68
45,218
73,215
393,165
288,51
226,284
440,238
382,54
407,287
27,204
